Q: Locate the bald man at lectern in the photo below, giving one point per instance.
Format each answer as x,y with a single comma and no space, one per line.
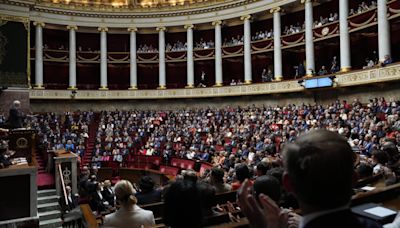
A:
16,118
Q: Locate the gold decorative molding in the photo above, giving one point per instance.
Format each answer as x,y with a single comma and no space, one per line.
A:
161,28
39,23
245,17
345,69
363,77
187,27
14,18
102,29
72,27
132,29
276,10
215,23
306,1
247,82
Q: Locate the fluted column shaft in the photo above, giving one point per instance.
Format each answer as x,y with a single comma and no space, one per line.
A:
277,44
310,62
383,30
161,58
247,49
189,59
72,56
345,58
218,53
39,54
103,58
133,59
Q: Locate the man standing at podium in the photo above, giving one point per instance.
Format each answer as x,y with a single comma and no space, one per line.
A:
16,118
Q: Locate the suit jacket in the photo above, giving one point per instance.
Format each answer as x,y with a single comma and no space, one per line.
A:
16,118
148,197
73,202
108,196
342,218
135,218
97,203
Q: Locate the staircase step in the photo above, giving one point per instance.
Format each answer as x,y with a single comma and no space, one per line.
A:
48,207
47,199
47,192
50,223
49,215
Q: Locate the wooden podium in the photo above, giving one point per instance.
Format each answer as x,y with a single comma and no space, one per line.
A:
22,141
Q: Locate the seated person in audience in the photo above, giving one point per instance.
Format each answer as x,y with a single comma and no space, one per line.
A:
4,155
370,63
69,146
322,71
242,173
108,193
217,181
264,77
271,187
184,205
147,194
72,201
387,60
98,202
129,215
309,160
233,82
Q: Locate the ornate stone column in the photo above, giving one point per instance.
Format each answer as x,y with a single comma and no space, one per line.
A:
161,58
277,43
39,55
218,53
247,48
345,59
383,30
309,21
133,59
103,58
72,56
189,58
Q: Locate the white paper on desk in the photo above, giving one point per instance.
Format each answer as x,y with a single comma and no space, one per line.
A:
367,188
380,211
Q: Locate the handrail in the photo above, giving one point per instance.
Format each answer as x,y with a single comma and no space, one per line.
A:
62,184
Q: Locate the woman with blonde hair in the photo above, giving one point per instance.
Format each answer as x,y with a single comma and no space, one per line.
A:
129,215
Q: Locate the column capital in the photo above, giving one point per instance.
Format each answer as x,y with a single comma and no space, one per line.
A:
39,23
102,29
215,23
161,28
276,10
132,29
307,1
72,27
187,27
245,17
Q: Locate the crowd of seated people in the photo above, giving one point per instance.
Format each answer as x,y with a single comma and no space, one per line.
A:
238,40
248,147
362,7
202,44
248,135
62,132
260,35
177,46
144,48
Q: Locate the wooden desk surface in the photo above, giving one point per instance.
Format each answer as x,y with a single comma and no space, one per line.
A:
64,154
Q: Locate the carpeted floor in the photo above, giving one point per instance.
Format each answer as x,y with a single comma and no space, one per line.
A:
45,181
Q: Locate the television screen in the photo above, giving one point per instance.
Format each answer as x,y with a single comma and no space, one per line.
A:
318,83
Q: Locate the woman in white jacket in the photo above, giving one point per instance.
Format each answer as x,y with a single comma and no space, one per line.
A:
129,215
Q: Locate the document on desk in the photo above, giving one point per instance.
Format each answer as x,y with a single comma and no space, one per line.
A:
380,211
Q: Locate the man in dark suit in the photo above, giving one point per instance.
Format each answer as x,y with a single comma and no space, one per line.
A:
108,193
16,117
319,172
147,194
71,199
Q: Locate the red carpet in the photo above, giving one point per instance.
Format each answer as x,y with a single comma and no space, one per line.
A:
45,181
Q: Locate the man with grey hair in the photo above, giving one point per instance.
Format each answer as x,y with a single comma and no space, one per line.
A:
16,117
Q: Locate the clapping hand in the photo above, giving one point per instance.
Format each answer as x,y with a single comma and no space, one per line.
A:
266,215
